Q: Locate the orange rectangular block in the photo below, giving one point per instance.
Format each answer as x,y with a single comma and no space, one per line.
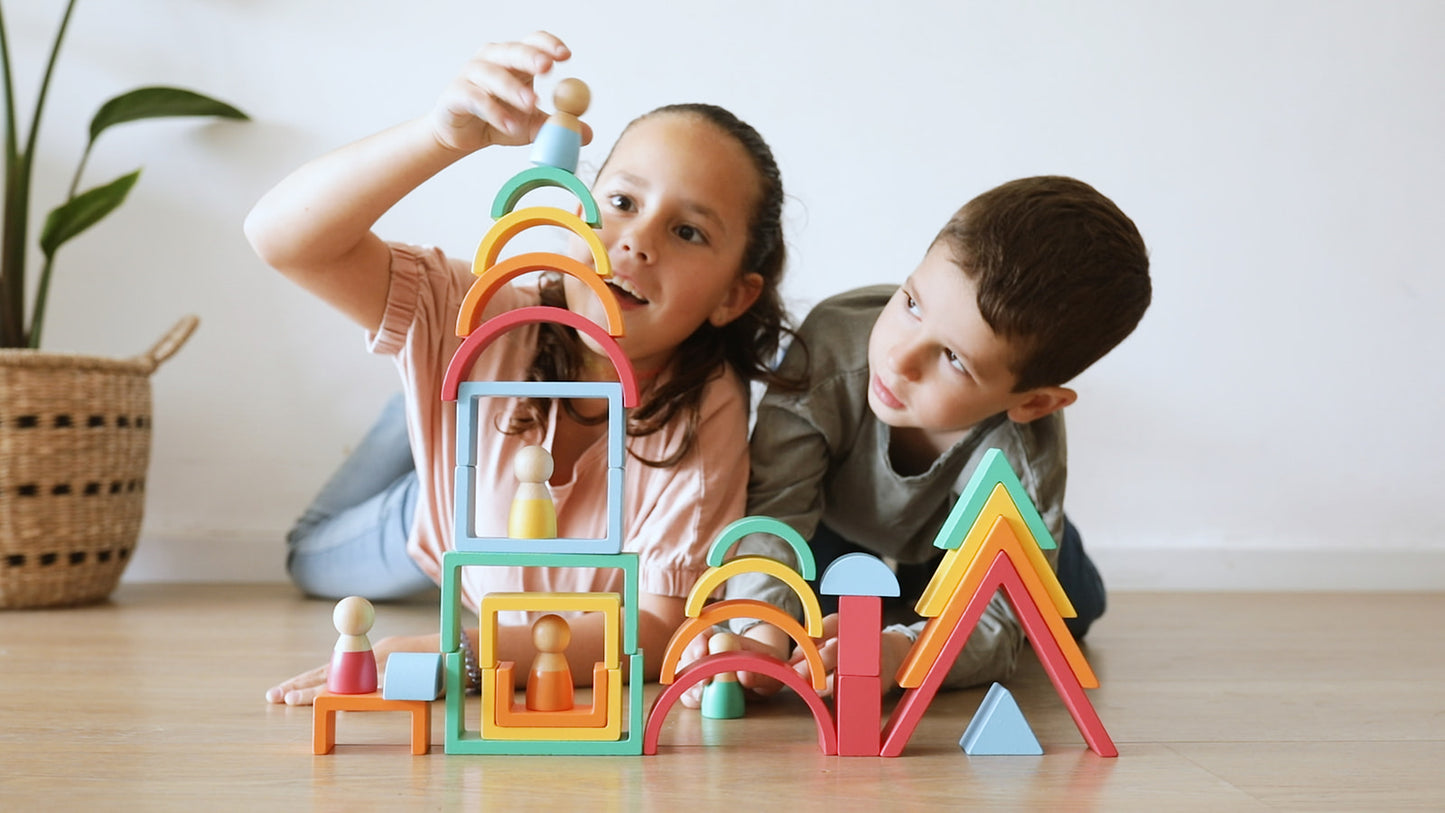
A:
323,721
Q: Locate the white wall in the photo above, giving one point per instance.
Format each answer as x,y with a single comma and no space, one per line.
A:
1269,424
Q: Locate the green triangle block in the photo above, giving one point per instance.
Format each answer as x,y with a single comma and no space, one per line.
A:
992,470
999,728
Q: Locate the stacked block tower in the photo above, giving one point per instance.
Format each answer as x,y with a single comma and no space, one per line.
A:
994,538
508,727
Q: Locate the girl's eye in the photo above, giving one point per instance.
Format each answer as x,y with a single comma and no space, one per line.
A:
621,203
910,304
691,234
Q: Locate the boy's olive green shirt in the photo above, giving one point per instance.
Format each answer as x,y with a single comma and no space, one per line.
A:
819,455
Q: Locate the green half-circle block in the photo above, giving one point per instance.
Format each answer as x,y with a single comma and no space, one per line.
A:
538,177
807,566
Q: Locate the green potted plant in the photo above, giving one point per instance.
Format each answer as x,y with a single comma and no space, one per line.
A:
74,429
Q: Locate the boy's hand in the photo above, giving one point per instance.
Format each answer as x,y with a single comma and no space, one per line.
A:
893,649
303,689
764,638
492,100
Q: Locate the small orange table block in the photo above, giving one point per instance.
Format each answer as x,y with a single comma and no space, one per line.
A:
323,727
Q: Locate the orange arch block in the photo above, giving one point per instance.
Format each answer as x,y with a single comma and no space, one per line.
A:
743,608
715,576
491,280
522,219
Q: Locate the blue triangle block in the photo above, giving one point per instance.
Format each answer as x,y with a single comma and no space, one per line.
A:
999,728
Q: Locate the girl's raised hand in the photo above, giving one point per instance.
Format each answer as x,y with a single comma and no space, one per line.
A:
492,100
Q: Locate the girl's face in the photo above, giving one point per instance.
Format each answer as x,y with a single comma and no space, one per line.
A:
676,197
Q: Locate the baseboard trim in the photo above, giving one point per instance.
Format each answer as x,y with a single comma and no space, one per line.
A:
1292,570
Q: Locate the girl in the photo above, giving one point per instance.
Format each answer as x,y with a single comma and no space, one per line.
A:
691,205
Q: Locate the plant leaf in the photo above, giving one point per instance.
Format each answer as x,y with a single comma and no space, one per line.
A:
83,211
158,103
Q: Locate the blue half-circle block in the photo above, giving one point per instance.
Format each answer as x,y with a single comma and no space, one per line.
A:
858,574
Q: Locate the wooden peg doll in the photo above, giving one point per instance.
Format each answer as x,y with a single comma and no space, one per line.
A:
549,686
559,142
533,515
353,663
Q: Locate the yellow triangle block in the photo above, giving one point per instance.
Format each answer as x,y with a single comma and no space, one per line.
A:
950,571
1000,539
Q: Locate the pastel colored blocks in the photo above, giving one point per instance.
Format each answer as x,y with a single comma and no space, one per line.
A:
999,728
414,676
323,726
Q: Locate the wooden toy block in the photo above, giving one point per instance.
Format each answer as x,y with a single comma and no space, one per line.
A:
717,554
468,409
859,574
860,634
519,221
509,714
723,697
454,561
414,676
323,726
608,604
353,663
538,177
1000,542
560,139
491,280
602,720
956,561
741,661
532,514
999,728
1002,575
714,577
460,740
473,345
858,706
994,470
721,611
465,538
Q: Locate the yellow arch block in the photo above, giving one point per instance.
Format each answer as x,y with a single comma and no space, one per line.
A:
715,576
491,280
951,569
519,221
721,611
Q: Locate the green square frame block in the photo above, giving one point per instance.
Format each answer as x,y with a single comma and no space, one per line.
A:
461,740
454,560
999,728
992,470
413,676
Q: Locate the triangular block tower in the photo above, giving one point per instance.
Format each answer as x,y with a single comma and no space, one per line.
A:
999,728
995,540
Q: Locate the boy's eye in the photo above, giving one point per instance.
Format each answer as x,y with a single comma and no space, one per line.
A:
691,234
954,361
622,203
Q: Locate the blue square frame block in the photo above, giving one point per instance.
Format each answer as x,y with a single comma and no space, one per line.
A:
414,676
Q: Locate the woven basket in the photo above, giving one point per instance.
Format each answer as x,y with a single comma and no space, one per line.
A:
75,438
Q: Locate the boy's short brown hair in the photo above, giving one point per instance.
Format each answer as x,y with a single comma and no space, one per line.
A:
1062,273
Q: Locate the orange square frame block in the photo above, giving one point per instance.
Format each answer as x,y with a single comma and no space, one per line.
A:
323,725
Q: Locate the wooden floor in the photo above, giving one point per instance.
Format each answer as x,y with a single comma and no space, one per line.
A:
1312,702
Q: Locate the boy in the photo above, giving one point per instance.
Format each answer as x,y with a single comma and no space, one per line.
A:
1025,287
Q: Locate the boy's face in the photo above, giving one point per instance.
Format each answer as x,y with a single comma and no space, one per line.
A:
935,365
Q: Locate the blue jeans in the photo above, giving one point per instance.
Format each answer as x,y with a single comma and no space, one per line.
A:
1076,572
351,540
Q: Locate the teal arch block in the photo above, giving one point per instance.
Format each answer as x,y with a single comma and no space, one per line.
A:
999,728
536,178
807,566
